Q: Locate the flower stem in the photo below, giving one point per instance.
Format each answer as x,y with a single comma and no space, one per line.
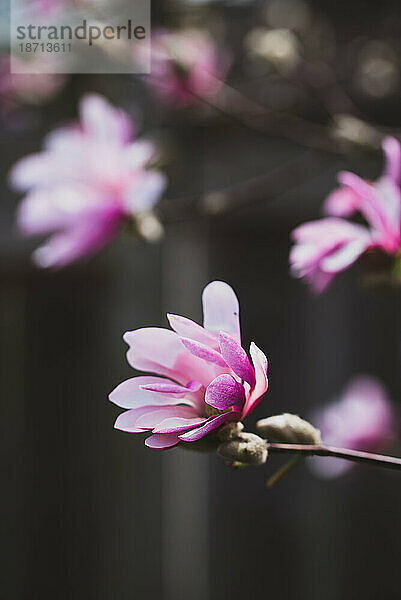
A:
379,460
287,468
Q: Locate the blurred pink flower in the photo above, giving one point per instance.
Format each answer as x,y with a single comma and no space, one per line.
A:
54,7
361,419
326,247
205,378
32,87
89,178
186,66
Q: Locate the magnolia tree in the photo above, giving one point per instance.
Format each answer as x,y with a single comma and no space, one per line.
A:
99,175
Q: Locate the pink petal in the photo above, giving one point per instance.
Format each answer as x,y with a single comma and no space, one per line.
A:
224,392
204,352
67,247
345,256
161,351
178,425
161,441
236,358
320,281
189,329
221,309
260,364
392,150
137,154
326,232
155,415
55,208
172,388
341,203
31,171
127,421
211,424
132,394
379,203
103,122
143,192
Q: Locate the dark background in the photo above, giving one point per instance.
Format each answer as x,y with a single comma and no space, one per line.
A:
88,511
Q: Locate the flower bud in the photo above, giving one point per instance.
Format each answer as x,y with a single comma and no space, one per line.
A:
352,130
246,448
289,429
149,226
230,431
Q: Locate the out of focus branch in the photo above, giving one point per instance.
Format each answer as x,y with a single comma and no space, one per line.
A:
256,190
379,460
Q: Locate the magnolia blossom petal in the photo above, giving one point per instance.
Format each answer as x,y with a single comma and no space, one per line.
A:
178,425
104,122
224,392
155,415
211,424
172,388
221,309
381,206
161,351
204,352
133,393
143,192
327,247
127,421
392,151
161,441
236,358
345,256
55,208
341,203
137,154
189,329
67,247
260,364
31,171
326,232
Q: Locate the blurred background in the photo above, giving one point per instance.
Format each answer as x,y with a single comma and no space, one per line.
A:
88,511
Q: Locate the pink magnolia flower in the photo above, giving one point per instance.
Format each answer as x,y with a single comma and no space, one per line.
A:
361,419
89,178
186,66
204,377
32,87
326,247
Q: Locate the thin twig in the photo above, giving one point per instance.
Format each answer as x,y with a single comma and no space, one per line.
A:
379,460
261,189
285,469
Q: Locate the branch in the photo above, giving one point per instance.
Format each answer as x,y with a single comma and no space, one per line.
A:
262,189
379,460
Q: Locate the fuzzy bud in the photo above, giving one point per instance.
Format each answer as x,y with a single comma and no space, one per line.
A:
230,431
149,227
246,448
289,429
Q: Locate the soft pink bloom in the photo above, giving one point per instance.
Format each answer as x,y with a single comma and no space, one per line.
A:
89,178
361,419
31,87
204,377
326,247
185,66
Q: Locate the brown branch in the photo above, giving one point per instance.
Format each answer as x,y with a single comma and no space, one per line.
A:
379,460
